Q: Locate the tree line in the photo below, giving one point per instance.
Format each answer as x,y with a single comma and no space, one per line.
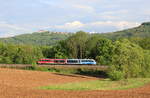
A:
19,54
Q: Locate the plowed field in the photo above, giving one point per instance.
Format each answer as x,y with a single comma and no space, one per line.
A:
22,84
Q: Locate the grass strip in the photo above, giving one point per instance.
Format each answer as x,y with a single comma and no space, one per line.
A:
105,84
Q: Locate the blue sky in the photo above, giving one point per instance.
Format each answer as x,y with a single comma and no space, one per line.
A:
27,16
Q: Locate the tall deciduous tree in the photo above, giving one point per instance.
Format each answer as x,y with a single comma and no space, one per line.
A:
76,45
128,58
102,51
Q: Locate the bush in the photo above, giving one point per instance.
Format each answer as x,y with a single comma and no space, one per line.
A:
34,65
116,75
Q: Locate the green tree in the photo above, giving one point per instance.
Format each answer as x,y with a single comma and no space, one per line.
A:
91,44
143,42
61,50
103,51
27,54
128,58
76,45
146,64
7,53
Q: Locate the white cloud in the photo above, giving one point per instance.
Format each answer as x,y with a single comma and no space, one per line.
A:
4,35
7,29
98,26
125,24
118,24
112,15
122,11
13,27
70,25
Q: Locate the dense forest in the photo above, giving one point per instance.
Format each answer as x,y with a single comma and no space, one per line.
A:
127,57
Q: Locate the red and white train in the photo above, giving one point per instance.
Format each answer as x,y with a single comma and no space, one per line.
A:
67,61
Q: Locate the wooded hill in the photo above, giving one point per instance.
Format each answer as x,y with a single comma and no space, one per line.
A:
141,31
51,38
36,38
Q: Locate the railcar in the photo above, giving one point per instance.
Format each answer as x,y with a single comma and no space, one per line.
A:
68,61
87,61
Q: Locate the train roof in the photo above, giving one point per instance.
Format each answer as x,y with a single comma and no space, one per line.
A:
51,59
64,59
80,59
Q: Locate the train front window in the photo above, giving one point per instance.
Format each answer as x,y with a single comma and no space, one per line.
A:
91,61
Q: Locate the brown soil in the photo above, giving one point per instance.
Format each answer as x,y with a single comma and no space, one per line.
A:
22,84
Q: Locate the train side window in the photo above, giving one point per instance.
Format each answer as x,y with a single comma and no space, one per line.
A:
59,61
72,61
62,61
83,60
87,61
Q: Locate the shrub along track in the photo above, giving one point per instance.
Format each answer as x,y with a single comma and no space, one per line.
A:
22,84
55,66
